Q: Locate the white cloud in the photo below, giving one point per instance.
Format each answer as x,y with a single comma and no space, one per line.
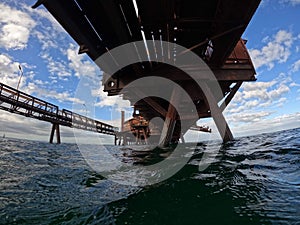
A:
9,71
277,50
258,94
280,102
284,37
249,117
91,90
294,84
46,39
252,104
48,31
256,90
22,125
37,89
256,100
296,66
264,3
254,123
265,39
15,28
42,13
282,122
277,93
58,68
264,91
292,2
81,66
85,68
116,102
10,76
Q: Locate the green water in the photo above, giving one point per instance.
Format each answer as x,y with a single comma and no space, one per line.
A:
254,180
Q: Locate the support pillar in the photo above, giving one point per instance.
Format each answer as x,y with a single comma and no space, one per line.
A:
231,95
55,127
137,137
182,138
122,120
170,121
216,113
145,136
116,139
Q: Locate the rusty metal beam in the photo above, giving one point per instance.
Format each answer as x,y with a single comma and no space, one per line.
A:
153,104
17,102
170,119
55,129
212,38
217,115
193,23
231,95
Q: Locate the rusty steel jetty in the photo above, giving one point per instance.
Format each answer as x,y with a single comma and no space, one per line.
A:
211,29
18,102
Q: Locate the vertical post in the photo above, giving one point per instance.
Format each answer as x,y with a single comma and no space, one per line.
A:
182,138
124,139
116,139
122,120
21,70
52,133
57,134
170,121
145,136
122,136
137,137
55,127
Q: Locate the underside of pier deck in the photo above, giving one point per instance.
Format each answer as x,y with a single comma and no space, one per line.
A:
210,29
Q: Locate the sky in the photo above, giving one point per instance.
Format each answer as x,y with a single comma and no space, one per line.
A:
52,70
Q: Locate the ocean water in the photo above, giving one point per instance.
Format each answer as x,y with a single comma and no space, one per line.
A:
253,180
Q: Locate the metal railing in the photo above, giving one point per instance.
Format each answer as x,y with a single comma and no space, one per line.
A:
17,102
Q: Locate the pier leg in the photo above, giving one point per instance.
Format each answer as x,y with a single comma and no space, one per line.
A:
145,136
231,95
52,133
170,121
55,127
216,113
120,138
125,140
182,138
57,134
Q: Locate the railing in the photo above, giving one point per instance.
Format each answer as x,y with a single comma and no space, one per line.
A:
15,101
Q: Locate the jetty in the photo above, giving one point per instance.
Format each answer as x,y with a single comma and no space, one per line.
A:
211,29
18,102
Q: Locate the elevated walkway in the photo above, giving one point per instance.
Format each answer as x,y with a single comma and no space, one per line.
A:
17,102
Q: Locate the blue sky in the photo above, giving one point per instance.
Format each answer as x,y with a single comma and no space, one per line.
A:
52,69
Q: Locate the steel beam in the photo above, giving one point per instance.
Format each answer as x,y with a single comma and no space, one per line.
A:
231,95
170,120
154,105
217,115
55,127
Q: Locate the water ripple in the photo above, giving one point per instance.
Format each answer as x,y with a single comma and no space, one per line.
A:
253,180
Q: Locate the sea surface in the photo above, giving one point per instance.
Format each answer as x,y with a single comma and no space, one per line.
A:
252,180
